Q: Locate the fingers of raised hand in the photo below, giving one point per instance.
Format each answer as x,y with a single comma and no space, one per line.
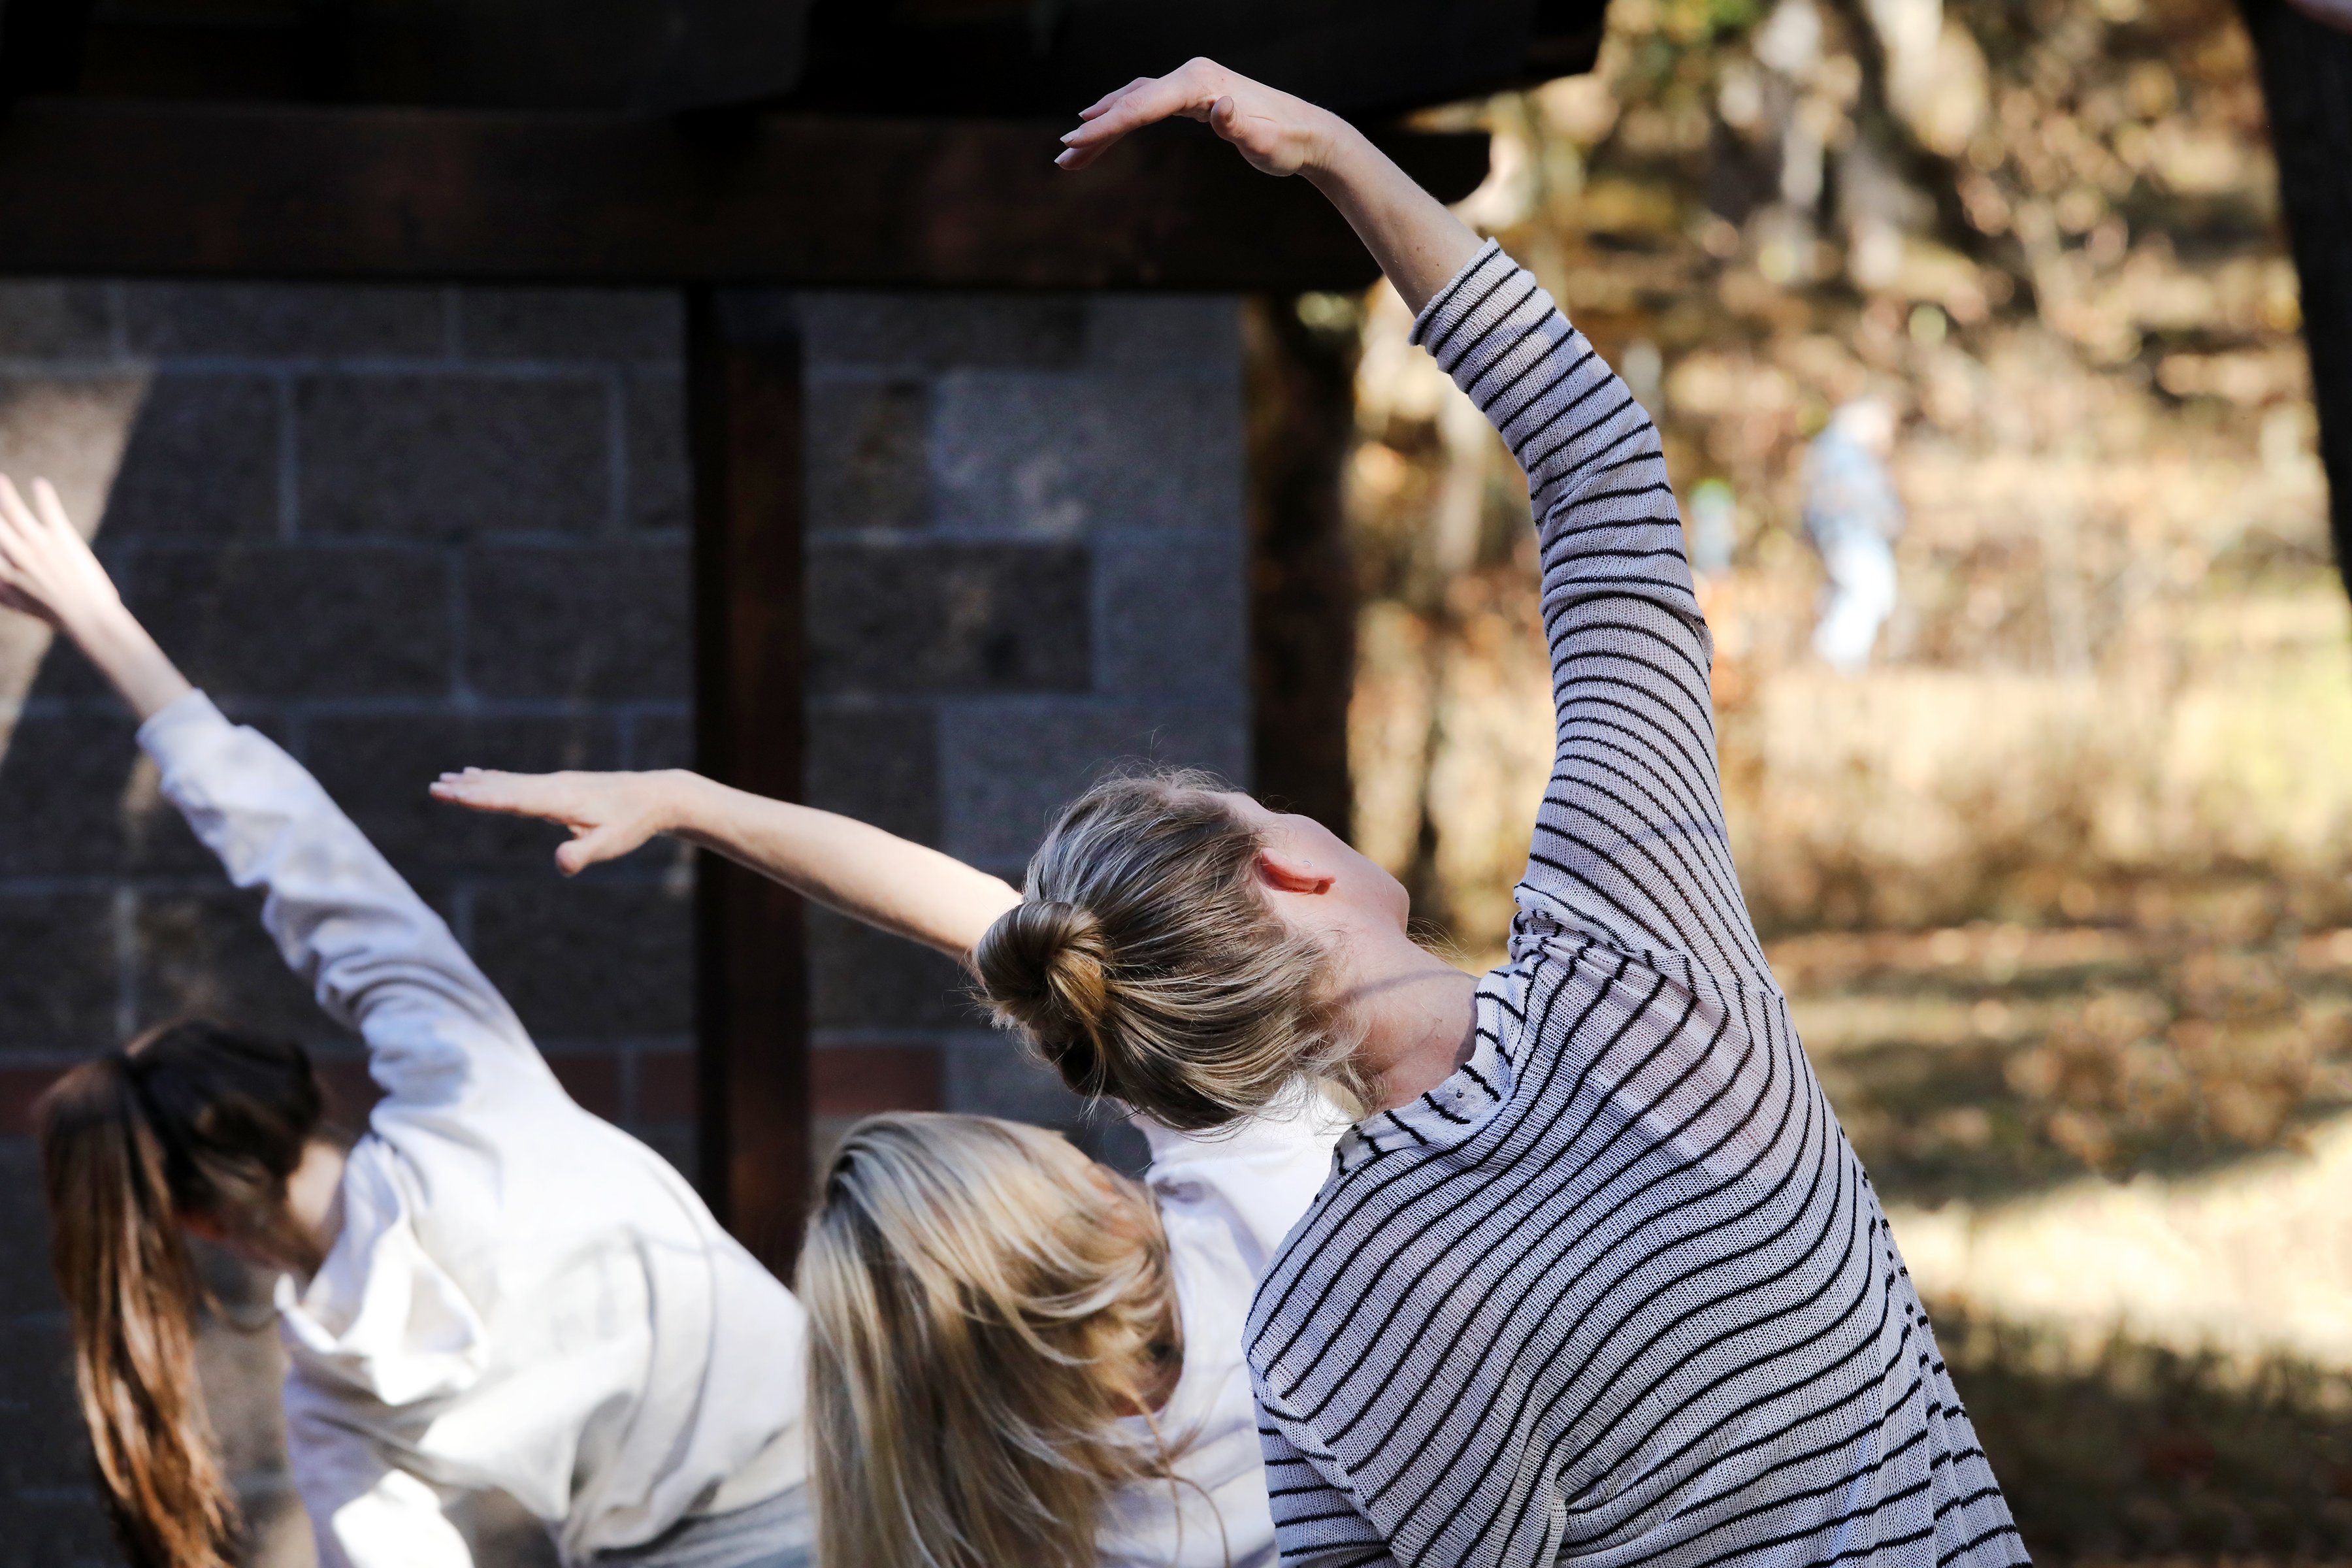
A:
1190,90
1095,110
483,789
52,510
14,515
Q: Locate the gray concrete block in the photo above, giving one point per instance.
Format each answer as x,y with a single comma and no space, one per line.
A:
877,764
78,798
1172,615
70,430
58,988
205,956
1165,331
47,318
1068,454
378,768
1008,766
661,477
202,459
961,617
63,1528
868,453
863,979
26,1284
587,961
450,456
660,740
242,1367
570,323
284,318
63,675
934,331
281,621
42,1444
990,1074
610,621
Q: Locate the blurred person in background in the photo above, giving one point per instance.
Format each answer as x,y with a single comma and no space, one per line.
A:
1854,517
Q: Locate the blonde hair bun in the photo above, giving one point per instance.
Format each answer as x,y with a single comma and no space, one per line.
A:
1147,966
1047,964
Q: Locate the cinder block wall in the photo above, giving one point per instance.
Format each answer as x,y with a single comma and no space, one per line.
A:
1027,557
399,530
404,528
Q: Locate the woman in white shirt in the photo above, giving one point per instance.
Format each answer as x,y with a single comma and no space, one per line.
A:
495,1289
1017,1356
489,1289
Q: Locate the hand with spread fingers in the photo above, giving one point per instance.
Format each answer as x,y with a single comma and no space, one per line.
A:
1278,134
45,566
843,864
610,815
47,570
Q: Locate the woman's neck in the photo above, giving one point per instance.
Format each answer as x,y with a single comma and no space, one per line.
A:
1415,1011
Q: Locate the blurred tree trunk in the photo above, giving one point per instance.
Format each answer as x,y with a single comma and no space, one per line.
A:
2307,81
1302,426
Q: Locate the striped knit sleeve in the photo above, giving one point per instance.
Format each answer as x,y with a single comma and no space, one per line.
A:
1630,848
1315,1513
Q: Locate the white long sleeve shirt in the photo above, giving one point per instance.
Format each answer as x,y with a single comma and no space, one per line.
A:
1226,1200
522,1297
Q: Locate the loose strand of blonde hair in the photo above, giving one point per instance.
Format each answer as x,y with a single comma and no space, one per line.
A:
982,1304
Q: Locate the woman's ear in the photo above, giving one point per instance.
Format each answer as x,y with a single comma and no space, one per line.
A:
1290,873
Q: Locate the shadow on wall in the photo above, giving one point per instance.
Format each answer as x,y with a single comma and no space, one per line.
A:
395,530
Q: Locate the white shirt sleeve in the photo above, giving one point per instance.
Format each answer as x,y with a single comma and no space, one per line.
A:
377,956
364,1511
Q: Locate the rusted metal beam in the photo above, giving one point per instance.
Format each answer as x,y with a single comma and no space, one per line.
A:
805,201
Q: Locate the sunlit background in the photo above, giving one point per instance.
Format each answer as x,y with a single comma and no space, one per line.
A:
2057,885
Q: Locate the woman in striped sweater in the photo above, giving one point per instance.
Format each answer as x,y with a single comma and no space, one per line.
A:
1596,1275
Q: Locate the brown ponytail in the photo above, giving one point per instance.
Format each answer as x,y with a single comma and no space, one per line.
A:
1146,964
190,1121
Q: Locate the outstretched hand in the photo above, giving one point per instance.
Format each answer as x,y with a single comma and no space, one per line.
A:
45,566
1278,134
610,815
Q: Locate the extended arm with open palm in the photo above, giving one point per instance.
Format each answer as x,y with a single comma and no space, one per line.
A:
869,875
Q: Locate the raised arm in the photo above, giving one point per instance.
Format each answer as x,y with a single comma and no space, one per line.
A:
377,957
1630,845
47,570
1416,241
866,874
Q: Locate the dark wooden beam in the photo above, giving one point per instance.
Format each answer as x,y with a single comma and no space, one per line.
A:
204,191
1302,428
744,408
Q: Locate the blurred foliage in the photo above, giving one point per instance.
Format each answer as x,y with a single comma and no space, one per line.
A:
2058,886
2131,1453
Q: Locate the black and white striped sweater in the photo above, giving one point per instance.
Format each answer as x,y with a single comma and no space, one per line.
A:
1618,1291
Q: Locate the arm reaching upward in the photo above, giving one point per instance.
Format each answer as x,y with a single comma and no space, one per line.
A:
846,865
1417,242
47,570
375,957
